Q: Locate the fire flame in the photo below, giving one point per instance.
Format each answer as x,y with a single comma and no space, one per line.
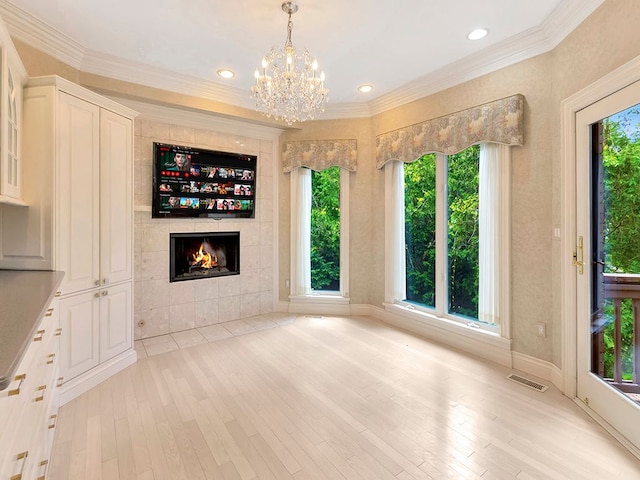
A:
204,259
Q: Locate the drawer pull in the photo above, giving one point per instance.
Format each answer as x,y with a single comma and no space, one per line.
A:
45,464
97,294
16,391
54,419
39,335
60,381
51,357
58,332
105,293
58,293
49,312
41,389
21,456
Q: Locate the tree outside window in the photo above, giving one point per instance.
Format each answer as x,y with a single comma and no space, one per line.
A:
325,229
461,226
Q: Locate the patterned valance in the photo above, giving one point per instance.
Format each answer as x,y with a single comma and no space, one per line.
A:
500,121
319,154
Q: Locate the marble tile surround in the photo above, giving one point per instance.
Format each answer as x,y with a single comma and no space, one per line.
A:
161,307
148,347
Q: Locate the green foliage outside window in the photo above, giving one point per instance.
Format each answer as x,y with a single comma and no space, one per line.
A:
462,230
463,248
621,167
325,229
420,229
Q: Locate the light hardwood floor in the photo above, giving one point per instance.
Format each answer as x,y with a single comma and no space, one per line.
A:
327,398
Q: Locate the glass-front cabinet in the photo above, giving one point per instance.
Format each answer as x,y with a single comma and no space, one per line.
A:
13,76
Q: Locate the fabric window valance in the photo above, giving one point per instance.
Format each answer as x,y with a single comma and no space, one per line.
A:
500,121
319,154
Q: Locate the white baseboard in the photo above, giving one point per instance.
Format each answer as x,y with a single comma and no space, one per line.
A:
324,309
317,305
539,368
557,378
361,310
282,307
83,383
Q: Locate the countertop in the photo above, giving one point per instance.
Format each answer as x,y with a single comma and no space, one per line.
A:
24,298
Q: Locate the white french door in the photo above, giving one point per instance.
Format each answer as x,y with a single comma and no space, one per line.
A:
607,274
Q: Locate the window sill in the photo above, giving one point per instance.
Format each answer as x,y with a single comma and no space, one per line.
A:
320,298
453,333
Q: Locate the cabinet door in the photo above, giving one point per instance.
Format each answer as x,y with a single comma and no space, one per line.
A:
116,204
78,183
79,342
115,320
10,181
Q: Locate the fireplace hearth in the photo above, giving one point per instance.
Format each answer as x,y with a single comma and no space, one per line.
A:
194,256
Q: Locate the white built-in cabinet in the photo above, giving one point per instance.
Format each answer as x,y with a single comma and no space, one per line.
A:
12,77
97,328
78,158
28,406
95,197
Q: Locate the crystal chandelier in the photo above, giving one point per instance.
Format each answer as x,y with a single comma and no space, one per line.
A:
288,86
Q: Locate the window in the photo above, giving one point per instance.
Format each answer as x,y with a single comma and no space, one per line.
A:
452,219
460,231
325,230
320,241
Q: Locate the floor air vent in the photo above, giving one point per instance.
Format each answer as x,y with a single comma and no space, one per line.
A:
527,383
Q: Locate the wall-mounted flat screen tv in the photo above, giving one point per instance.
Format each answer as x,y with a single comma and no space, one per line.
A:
194,182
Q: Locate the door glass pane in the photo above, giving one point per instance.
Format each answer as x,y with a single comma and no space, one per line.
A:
420,230
462,231
615,282
325,229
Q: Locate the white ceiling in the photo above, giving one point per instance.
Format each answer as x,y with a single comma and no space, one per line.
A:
403,48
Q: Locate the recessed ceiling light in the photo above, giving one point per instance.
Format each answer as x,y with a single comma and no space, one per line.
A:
477,34
365,88
226,73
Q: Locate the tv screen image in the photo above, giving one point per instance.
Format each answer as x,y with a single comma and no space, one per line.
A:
196,182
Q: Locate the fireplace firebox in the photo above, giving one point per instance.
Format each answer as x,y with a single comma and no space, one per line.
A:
203,255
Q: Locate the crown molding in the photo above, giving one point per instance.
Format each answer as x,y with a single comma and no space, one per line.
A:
528,44
564,19
560,23
192,119
34,32
345,110
150,76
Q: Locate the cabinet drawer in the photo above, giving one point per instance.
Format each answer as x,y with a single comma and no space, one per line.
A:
26,402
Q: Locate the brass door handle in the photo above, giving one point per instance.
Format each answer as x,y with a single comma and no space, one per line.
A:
21,456
578,256
16,391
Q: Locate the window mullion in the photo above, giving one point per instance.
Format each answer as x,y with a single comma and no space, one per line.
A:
441,234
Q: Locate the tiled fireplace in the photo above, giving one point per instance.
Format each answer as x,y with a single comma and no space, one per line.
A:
162,306
200,255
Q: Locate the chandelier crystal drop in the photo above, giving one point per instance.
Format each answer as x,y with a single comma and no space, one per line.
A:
288,86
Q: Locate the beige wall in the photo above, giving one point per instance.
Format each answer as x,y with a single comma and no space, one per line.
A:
363,264
607,39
